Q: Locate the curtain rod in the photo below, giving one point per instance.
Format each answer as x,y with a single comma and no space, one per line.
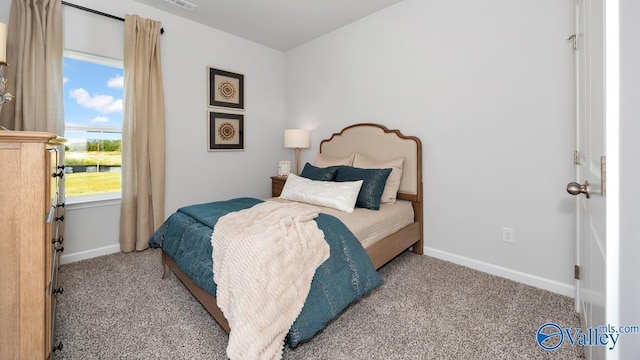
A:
99,13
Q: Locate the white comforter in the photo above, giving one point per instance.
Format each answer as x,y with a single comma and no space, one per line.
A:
264,260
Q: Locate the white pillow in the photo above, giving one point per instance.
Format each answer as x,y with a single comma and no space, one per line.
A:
338,195
393,181
324,161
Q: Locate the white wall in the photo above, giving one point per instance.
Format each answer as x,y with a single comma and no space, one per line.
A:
193,173
489,88
629,267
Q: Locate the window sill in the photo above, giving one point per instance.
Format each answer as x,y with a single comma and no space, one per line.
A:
90,201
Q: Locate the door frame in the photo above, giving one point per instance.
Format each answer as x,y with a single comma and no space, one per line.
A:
612,128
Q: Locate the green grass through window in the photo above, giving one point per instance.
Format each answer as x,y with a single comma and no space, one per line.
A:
94,183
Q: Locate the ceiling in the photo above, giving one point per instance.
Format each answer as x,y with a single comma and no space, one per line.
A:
279,24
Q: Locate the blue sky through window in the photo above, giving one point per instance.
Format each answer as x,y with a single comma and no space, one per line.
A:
92,95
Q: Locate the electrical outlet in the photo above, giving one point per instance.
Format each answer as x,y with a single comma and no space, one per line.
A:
507,235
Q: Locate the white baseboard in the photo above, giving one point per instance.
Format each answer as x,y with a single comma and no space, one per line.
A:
88,254
528,279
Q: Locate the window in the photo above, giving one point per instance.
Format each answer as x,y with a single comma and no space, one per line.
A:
93,105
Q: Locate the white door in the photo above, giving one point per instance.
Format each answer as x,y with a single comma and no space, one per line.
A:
590,132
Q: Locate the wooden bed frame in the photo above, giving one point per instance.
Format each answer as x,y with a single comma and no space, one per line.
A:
377,143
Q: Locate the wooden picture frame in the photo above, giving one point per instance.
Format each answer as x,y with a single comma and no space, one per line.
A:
226,89
225,131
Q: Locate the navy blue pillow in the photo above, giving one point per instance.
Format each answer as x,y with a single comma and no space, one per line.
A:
373,181
318,173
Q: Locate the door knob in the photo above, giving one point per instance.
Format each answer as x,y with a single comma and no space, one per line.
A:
575,188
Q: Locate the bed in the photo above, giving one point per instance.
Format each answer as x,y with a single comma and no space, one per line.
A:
373,141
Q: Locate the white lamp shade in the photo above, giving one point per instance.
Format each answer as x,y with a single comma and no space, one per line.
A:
297,138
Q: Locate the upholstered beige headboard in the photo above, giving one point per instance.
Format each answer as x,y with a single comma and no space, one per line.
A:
378,143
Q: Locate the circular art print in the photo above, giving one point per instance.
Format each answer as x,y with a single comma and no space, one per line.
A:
227,90
226,131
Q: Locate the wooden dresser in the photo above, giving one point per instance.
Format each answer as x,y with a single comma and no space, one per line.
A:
31,236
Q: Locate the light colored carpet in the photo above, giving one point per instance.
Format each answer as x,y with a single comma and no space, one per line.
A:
118,307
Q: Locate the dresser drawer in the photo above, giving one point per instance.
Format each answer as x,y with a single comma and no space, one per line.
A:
52,292
56,174
58,224
56,251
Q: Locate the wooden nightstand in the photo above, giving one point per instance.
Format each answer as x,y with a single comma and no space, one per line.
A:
277,183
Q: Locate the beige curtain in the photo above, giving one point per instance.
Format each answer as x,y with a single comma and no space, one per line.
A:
34,71
143,136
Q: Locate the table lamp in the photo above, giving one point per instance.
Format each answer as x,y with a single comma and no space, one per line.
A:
297,139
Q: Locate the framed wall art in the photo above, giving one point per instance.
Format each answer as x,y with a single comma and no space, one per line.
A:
226,89
226,131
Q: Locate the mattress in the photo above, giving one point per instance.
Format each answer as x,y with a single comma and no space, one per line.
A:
370,226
